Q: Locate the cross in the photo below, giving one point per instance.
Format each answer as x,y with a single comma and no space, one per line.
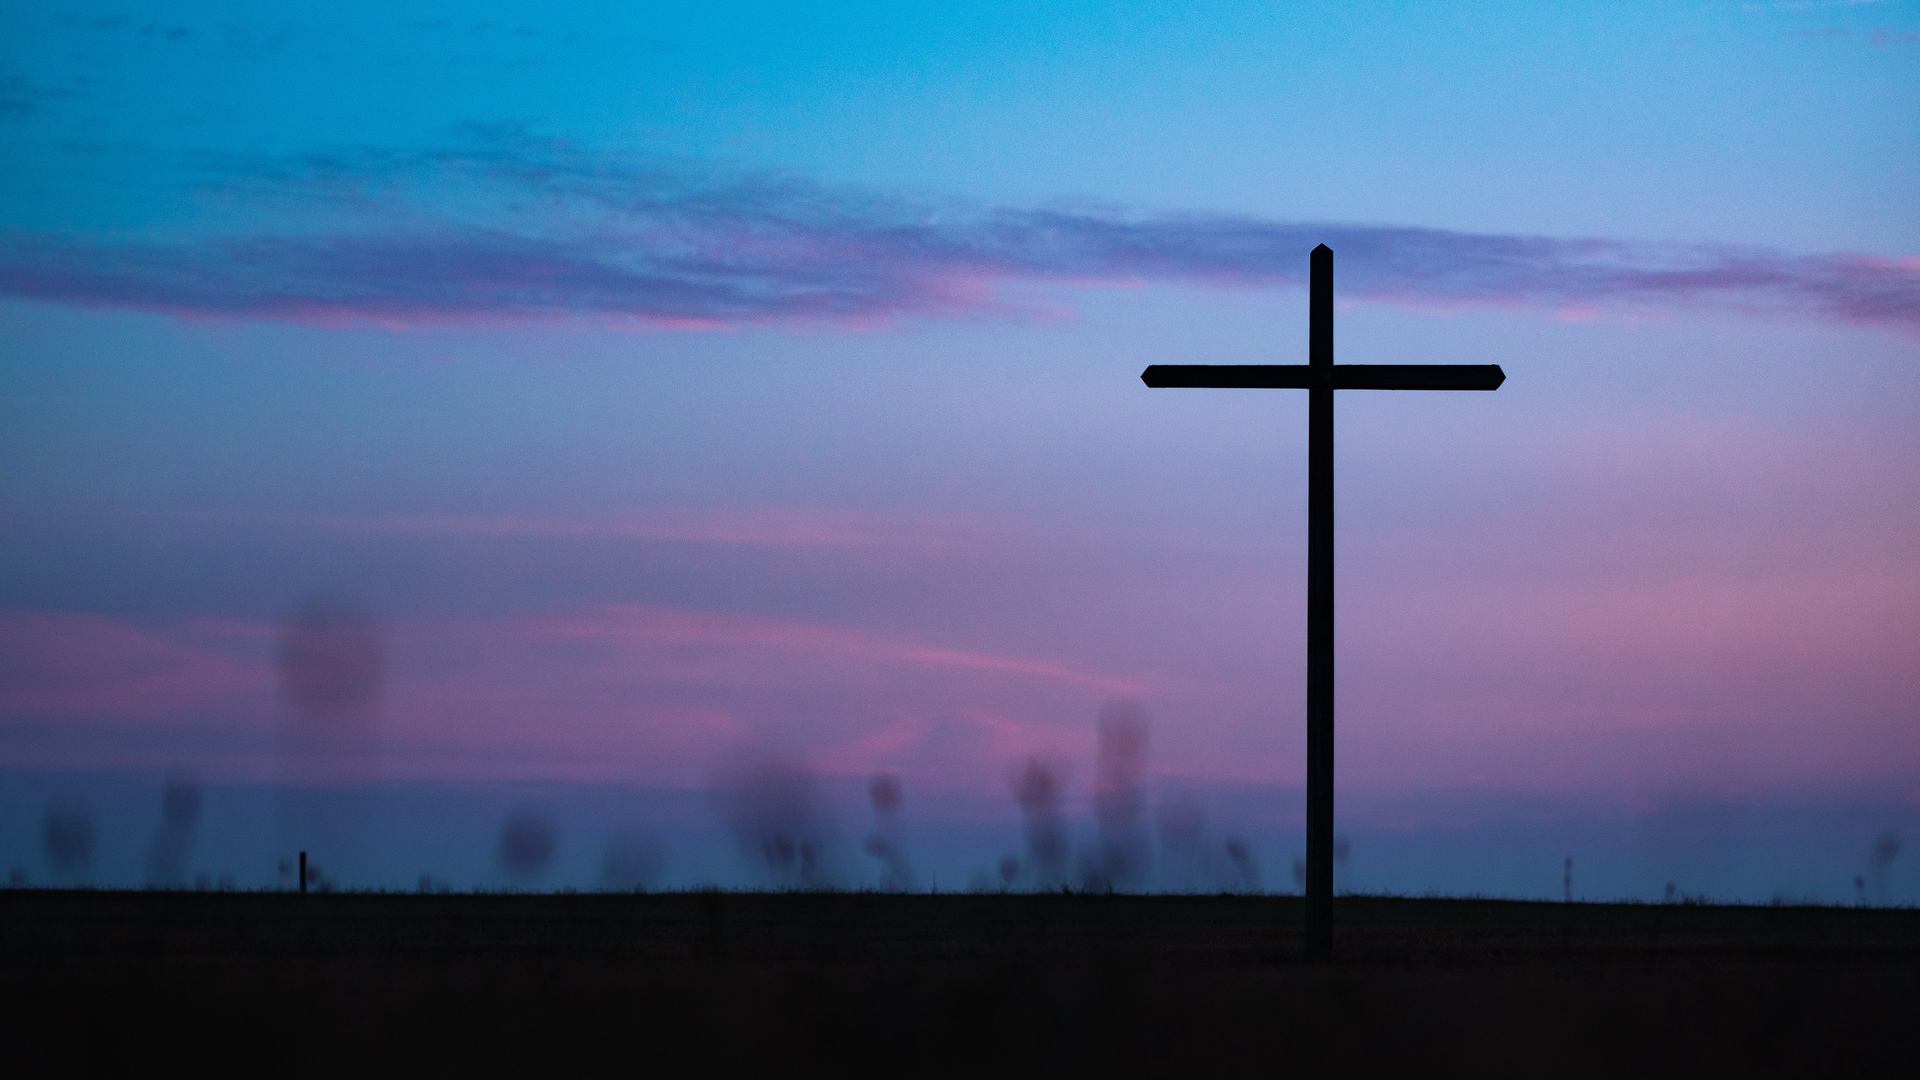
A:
1320,377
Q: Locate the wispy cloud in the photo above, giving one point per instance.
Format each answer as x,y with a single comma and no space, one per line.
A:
534,232
637,629
734,527
21,98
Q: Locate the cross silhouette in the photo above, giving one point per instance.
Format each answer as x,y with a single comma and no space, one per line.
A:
1320,377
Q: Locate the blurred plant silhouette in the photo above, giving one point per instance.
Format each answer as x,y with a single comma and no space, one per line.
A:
528,841
180,800
1040,790
332,667
1122,859
67,836
779,822
886,845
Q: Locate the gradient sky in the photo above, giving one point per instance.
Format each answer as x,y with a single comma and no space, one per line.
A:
678,381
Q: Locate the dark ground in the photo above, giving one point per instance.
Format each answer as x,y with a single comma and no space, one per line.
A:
710,982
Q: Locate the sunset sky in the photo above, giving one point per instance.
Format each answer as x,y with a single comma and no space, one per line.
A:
681,384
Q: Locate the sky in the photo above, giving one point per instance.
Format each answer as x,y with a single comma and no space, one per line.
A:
678,415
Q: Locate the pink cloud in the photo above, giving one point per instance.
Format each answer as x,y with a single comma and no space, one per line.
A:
1603,653
633,692
79,665
1780,677
619,692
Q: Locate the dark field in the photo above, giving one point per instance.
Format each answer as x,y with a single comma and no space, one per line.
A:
1070,983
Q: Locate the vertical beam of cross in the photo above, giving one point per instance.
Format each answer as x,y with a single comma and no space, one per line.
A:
1320,377
1319,883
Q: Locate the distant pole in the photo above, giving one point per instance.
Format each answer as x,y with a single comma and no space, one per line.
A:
303,872
1569,879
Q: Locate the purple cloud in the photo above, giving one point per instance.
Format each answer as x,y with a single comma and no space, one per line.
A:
513,236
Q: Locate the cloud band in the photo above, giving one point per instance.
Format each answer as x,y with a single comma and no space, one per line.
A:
515,236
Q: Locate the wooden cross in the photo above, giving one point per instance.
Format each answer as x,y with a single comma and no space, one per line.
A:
1320,377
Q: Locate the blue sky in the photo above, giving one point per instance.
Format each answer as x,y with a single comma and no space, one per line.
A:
674,383
1777,124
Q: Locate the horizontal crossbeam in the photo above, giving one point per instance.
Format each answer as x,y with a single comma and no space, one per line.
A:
1333,376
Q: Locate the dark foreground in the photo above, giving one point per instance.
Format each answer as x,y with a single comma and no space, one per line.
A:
706,982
